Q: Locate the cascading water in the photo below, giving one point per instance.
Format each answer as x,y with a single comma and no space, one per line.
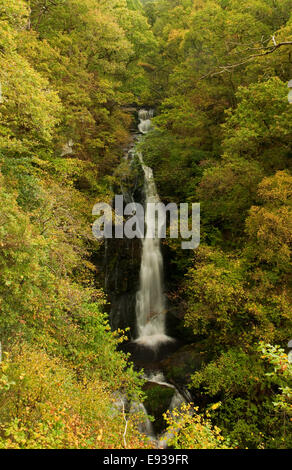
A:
144,425
145,117
151,342
150,300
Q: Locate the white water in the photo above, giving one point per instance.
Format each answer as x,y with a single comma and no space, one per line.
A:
150,300
145,120
144,424
158,378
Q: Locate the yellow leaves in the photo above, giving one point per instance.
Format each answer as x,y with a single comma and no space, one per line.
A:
277,188
191,430
176,34
28,96
55,409
15,11
215,406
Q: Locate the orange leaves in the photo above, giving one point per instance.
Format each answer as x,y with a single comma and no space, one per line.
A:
54,408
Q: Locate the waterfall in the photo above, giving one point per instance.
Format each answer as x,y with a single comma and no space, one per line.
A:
158,378
144,424
149,303
145,120
150,299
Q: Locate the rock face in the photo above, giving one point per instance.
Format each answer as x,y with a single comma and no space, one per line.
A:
149,358
122,257
158,401
179,366
122,264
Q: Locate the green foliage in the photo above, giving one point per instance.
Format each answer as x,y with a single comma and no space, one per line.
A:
157,402
281,376
226,192
216,293
239,379
269,226
234,372
260,128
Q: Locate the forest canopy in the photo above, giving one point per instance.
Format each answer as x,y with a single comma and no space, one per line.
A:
216,73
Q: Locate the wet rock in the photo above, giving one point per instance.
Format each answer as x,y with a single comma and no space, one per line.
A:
158,401
179,366
147,357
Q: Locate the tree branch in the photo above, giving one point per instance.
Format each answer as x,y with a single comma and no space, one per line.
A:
126,426
229,68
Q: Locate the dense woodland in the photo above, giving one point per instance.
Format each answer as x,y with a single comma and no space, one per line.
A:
216,73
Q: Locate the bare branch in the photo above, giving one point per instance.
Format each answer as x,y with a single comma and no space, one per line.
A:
230,67
126,426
